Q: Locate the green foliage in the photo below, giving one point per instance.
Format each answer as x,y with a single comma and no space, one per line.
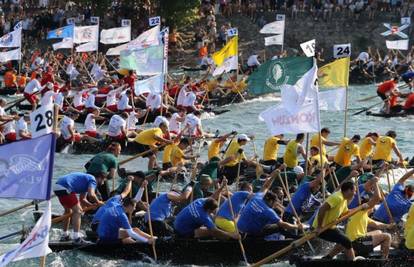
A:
179,13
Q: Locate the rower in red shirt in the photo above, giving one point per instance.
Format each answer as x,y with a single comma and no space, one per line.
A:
409,103
384,90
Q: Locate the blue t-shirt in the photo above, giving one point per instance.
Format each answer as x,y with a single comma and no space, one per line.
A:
238,201
112,220
77,182
160,208
301,195
398,204
354,203
408,75
113,201
256,215
192,217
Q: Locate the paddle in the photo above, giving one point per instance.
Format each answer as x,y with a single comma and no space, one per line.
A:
67,215
368,108
306,238
140,155
237,229
374,96
150,224
15,103
21,207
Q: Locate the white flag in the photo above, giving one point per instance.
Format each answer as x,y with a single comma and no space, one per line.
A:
280,121
36,244
229,64
399,45
276,27
308,48
332,100
274,40
97,72
65,43
152,85
72,72
146,39
10,55
116,51
87,47
116,35
12,39
86,34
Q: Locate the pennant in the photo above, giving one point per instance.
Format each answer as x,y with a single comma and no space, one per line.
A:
26,168
11,55
276,27
64,32
87,47
116,51
152,85
85,34
12,39
66,43
116,35
229,50
229,64
334,74
274,40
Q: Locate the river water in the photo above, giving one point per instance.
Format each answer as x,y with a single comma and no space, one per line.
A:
243,117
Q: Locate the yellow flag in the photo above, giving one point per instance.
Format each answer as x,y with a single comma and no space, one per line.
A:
229,50
334,74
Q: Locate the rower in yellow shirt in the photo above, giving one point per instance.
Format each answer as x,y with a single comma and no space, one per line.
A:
294,148
356,230
216,145
270,149
148,139
384,147
178,156
347,149
409,229
315,159
367,145
324,136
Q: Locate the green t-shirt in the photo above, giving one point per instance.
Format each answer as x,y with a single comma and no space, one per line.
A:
210,169
197,191
102,163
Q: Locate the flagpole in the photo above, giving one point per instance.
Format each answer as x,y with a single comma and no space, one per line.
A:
346,103
307,154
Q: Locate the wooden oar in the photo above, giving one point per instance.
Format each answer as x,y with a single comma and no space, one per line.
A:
15,103
368,108
243,251
150,224
140,155
304,239
367,98
22,207
67,215
387,208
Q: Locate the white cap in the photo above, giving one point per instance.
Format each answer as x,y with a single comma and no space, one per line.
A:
243,137
298,170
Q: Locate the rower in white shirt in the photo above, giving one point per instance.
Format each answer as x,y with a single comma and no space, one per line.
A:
48,96
90,101
111,99
133,118
153,102
193,125
22,131
68,131
189,102
176,120
90,123
78,101
117,127
9,129
31,89
123,103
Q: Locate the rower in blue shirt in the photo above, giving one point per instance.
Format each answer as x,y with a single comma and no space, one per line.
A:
114,227
407,77
366,190
66,189
398,201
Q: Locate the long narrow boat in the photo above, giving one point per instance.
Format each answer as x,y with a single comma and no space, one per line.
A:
390,115
183,251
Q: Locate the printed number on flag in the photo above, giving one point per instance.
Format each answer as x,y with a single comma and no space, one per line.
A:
154,21
310,47
343,50
42,121
232,32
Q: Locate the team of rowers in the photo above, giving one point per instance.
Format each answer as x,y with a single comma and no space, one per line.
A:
206,207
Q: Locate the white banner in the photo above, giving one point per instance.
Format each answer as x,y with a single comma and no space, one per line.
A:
87,47
229,64
398,45
41,121
276,27
36,244
274,40
332,100
154,21
86,34
280,121
65,43
342,50
10,55
146,39
116,35
151,85
308,48
11,39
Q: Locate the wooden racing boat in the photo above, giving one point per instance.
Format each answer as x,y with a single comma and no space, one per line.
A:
390,115
183,251
8,91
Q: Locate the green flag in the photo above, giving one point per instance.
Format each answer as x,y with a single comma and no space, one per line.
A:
272,75
147,61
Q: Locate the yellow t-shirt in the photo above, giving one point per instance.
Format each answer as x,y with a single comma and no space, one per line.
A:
211,85
357,225
365,148
383,148
239,87
270,148
315,160
233,150
346,150
315,142
214,149
409,239
290,158
166,156
409,224
338,204
146,137
177,156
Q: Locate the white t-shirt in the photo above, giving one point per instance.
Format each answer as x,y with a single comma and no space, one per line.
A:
47,98
123,102
192,122
153,101
59,98
132,121
111,98
253,61
32,87
9,127
181,95
189,100
21,125
64,127
90,101
363,56
116,124
175,125
90,123
78,99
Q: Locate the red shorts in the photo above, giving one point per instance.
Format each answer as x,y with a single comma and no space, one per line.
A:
76,138
68,201
80,108
32,98
119,138
93,134
10,137
113,108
